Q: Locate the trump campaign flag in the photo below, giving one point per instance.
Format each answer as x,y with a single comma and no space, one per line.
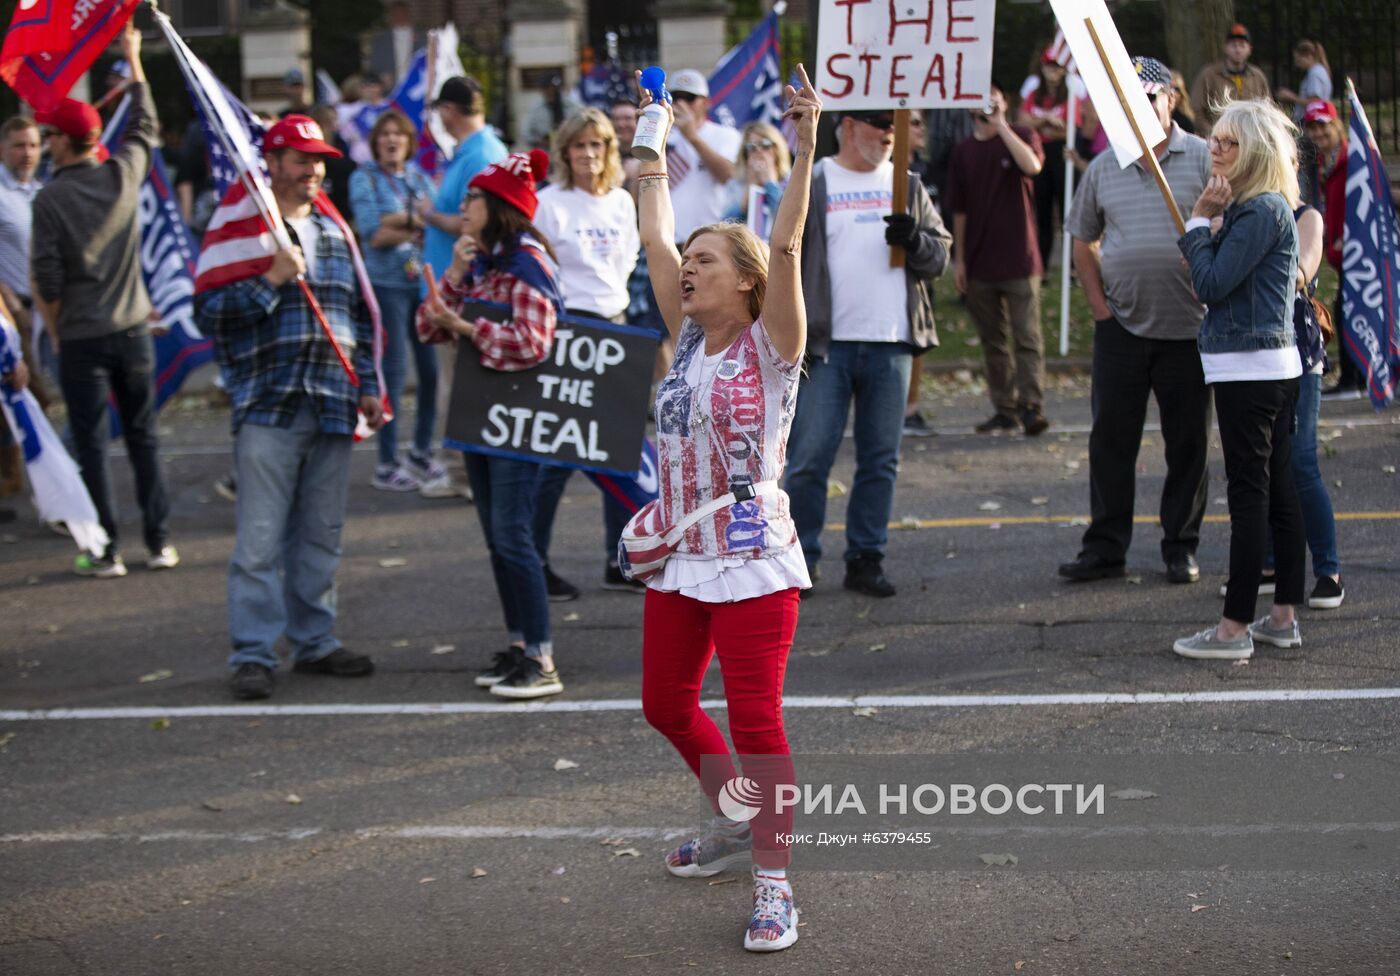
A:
747,85
58,489
52,43
167,266
1370,262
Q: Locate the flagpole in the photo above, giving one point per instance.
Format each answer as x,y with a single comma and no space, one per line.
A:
1066,241
272,221
1148,155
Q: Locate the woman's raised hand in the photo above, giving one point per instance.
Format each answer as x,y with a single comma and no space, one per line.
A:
804,108
1214,198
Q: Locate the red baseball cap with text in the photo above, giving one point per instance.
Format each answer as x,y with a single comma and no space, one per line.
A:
1319,110
299,132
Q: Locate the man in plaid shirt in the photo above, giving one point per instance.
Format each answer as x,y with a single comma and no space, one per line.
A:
294,414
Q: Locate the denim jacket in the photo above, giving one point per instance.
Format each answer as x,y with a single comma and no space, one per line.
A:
1245,275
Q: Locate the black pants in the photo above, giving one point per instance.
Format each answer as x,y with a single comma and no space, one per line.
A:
1049,196
119,366
1255,419
1127,368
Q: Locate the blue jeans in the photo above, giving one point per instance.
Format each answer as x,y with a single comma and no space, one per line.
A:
292,487
876,376
397,308
505,502
553,478
1318,522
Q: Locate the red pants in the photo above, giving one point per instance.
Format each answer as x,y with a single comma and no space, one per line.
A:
752,638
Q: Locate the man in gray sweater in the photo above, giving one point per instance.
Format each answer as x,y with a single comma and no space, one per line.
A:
86,265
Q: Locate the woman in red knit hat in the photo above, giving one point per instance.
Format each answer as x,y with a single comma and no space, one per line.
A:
501,257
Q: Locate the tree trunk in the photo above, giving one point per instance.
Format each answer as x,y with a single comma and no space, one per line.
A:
1196,33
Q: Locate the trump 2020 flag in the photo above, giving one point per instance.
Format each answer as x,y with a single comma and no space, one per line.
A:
747,85
52,43
58,489
167,266
1370,262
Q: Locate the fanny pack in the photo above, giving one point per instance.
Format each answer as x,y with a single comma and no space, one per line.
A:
646,544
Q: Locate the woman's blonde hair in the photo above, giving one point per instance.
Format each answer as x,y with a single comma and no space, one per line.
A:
780,147
749,254
1268,150
569,130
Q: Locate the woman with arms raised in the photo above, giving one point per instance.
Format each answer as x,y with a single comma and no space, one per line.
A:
732,584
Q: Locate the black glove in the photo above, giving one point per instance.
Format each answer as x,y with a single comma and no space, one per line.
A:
901,230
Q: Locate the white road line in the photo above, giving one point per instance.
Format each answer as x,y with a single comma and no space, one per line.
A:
452,832
635,705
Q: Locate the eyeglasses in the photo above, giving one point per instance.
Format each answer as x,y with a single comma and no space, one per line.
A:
882,122
1218,144
684,98
756,145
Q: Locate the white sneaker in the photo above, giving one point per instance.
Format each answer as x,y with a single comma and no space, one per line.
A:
773,912
167,558
393,478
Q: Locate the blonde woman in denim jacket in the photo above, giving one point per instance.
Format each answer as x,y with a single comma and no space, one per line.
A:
1246,272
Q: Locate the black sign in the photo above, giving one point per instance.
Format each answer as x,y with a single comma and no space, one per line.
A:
585,406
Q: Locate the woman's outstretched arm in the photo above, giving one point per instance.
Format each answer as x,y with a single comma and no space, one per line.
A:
784,312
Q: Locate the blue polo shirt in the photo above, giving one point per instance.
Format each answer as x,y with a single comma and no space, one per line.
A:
472,156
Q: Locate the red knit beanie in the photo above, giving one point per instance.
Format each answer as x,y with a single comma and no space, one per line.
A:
513,179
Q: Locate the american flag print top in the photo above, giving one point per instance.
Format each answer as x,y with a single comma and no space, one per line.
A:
731,428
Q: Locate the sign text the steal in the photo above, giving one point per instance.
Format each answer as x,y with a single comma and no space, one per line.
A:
905,53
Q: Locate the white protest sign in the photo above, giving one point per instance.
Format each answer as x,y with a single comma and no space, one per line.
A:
904,53
1094,72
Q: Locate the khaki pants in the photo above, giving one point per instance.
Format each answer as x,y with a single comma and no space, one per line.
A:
1007,314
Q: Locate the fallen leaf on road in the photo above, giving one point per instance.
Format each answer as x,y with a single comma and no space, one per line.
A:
293,799
875,648
1337,483
561,869
1239,664
627,852
989,506
562,764
1192,894
6,739
160,675
478,873
1201,908
426,880
1040,500
564,900
212,806
1387,469
160,724
834,488
399,643
1132,794
1072,465
909,522
392,562
570,617
865,711
998,860
723,881
1020,965
443,649
995,526
1135,580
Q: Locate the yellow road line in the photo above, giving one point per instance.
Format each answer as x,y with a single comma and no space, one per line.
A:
985,521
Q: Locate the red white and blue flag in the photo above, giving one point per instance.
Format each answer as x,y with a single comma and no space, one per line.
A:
747,85
52,43
1370,332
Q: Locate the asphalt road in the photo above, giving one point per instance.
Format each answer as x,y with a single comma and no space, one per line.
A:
409,823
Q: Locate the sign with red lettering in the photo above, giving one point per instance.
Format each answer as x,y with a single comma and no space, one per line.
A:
904,53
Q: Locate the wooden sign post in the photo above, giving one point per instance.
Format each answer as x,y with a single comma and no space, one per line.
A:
900,203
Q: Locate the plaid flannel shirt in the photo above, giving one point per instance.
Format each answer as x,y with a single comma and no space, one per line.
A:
518,344
273,352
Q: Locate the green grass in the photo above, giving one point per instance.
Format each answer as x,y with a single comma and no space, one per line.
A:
958,335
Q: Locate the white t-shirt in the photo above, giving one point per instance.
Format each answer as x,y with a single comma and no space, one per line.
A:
869,299
597,242
696,196
1255,364
309,236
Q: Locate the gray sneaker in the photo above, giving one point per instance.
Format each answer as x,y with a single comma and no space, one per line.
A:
1205,646
1288,636
720,846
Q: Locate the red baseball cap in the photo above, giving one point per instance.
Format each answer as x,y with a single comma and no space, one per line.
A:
1319,110
299,132
514,179
77,120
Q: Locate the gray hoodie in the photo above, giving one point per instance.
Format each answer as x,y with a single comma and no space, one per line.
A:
923,263
86,250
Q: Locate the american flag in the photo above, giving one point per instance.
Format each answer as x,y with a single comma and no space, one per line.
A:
244,232
1059,50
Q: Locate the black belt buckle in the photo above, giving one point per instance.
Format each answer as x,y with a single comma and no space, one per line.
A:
743,489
